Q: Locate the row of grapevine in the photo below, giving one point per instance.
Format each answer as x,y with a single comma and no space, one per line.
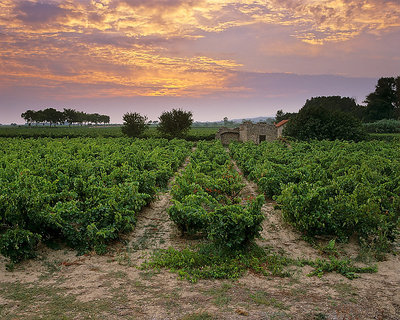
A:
194,134
206,199
330,187
83,191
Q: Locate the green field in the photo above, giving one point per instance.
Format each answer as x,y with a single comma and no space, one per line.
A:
195,133
330,187
83,191
87,191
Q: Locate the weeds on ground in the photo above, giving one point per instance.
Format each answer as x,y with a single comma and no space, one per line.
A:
342,266
208,261
22,303
221,295
198,316
262,298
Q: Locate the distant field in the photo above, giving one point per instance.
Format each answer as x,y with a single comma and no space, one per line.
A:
93,132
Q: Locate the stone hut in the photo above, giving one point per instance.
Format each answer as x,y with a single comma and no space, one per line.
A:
280,125
248,131
227,135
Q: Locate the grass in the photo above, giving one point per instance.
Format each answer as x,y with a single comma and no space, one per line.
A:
206,261
221,296
262,298
32,301
198,316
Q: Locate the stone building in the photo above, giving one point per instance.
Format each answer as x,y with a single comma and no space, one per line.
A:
280,125
248,131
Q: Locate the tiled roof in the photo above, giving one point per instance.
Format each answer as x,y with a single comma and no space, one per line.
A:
281,123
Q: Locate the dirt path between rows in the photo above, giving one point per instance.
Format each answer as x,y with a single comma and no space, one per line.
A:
60,285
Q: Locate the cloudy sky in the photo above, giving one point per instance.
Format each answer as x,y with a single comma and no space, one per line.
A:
216,58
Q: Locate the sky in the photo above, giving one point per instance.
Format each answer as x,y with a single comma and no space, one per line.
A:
216,58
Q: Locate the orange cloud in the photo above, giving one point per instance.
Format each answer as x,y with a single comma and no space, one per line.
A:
133,45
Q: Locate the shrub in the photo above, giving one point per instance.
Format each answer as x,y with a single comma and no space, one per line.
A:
175,123
19,244
234,226
191,215
134,124
318,122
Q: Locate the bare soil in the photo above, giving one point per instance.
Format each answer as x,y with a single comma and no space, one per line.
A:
60,285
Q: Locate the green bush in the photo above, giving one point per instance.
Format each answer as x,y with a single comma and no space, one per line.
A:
320,123
19,244
191,215
134,124
234,226
207,199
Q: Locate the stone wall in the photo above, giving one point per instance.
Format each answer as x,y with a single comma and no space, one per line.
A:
228,137
280,130
248,131
258,132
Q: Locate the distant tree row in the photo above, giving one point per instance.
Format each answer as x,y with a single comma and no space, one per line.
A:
71,116
338,117
172,124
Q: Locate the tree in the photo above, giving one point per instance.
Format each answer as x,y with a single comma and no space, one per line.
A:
280,115
28,116
134,124
71,116
104,119
337,103
53,116
175,123
384,102
39,117
318,122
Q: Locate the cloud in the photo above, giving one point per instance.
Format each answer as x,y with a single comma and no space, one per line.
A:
185,48
41,12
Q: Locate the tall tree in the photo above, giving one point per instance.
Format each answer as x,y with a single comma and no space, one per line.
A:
280,115
175,123
134,124
105,119
39,117
317,122
384,102
397,102
71,116
28,116
337,103
53,116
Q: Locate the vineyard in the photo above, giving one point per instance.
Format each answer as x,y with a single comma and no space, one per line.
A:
83,191
124,210
88,191
330,188
206,199
194,134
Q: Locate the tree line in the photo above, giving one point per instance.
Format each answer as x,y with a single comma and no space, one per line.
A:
71,116
336,117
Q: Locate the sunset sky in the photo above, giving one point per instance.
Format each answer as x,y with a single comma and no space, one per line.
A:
216,58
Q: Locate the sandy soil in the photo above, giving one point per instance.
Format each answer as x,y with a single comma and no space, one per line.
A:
59,284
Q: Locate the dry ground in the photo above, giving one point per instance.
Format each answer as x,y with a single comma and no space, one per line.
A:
60,285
